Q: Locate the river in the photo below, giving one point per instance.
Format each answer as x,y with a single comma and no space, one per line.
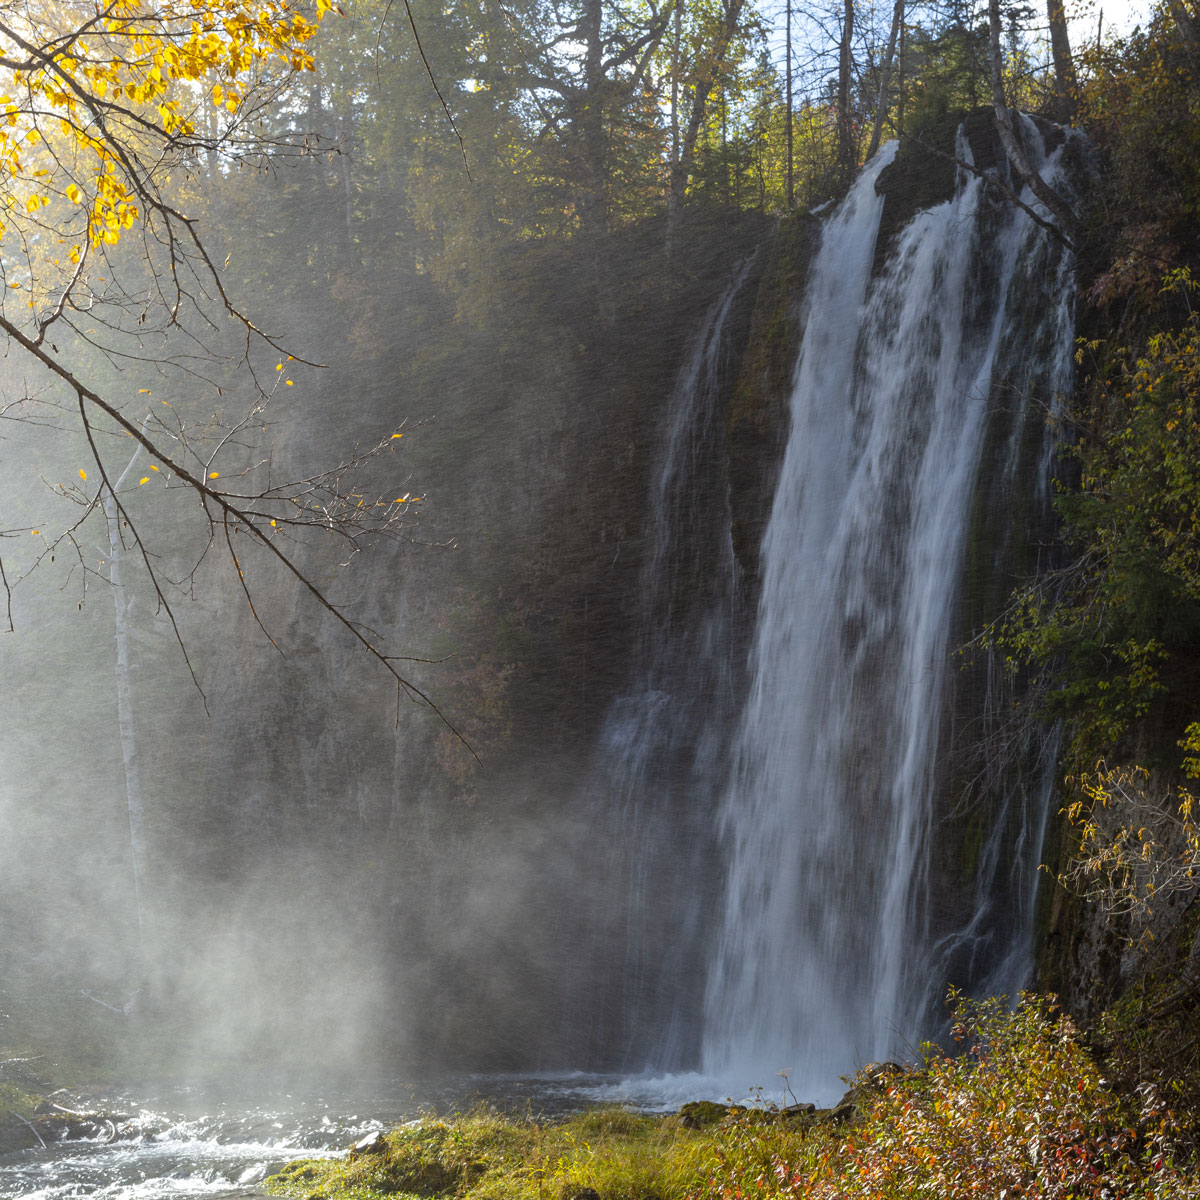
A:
203,1142
197,1143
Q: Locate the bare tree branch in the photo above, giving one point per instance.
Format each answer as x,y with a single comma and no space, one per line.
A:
226,509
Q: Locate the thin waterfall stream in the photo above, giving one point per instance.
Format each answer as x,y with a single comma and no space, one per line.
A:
658,766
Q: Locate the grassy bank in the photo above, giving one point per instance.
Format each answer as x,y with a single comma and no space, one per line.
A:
1021,1109
607,1152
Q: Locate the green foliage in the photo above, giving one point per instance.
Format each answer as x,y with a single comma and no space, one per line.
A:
1115,634
949,68
611,1153
1150,1035
1119,627
1136,859
1138,845
1140,103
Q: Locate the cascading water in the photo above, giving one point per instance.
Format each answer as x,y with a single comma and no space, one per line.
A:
829,941
663,742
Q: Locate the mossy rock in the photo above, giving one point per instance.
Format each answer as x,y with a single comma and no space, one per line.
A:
923,172
15,1134
19,1102
800,1116
701,1114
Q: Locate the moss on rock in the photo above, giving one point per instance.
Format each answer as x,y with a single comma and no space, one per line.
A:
758,420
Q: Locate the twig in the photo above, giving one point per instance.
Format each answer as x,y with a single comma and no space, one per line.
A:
1003,188
31,1126
412,24
226,510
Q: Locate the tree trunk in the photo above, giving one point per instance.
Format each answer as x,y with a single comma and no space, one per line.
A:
885,77
703,89
130,756
1012,146
594,207
345,147
1065,86
791,176
845,138
1185,21
676,63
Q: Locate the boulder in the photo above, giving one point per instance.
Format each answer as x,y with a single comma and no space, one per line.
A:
373,1143
873,1078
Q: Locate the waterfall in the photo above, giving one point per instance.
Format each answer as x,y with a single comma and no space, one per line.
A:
912,385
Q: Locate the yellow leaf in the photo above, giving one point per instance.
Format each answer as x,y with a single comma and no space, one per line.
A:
396,435
153,467
144,479
82,473
35,532
214,474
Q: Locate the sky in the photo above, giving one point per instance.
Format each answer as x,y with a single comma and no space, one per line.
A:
1119,15
1086,18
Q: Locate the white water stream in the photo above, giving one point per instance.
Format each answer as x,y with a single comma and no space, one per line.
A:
163,1150
658,767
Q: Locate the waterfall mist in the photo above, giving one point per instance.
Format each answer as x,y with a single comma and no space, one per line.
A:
693,801
661,750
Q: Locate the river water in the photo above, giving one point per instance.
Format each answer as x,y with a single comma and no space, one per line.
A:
193,1143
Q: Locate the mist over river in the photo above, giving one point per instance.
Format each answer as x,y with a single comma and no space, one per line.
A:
530,662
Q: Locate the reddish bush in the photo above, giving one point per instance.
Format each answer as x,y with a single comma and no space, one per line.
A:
1021,1112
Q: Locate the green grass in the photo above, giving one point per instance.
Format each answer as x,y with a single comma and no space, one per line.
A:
605,1153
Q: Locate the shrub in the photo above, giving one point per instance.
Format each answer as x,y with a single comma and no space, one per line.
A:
1021,1111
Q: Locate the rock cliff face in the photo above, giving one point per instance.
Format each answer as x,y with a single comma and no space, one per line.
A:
579,590
757,421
